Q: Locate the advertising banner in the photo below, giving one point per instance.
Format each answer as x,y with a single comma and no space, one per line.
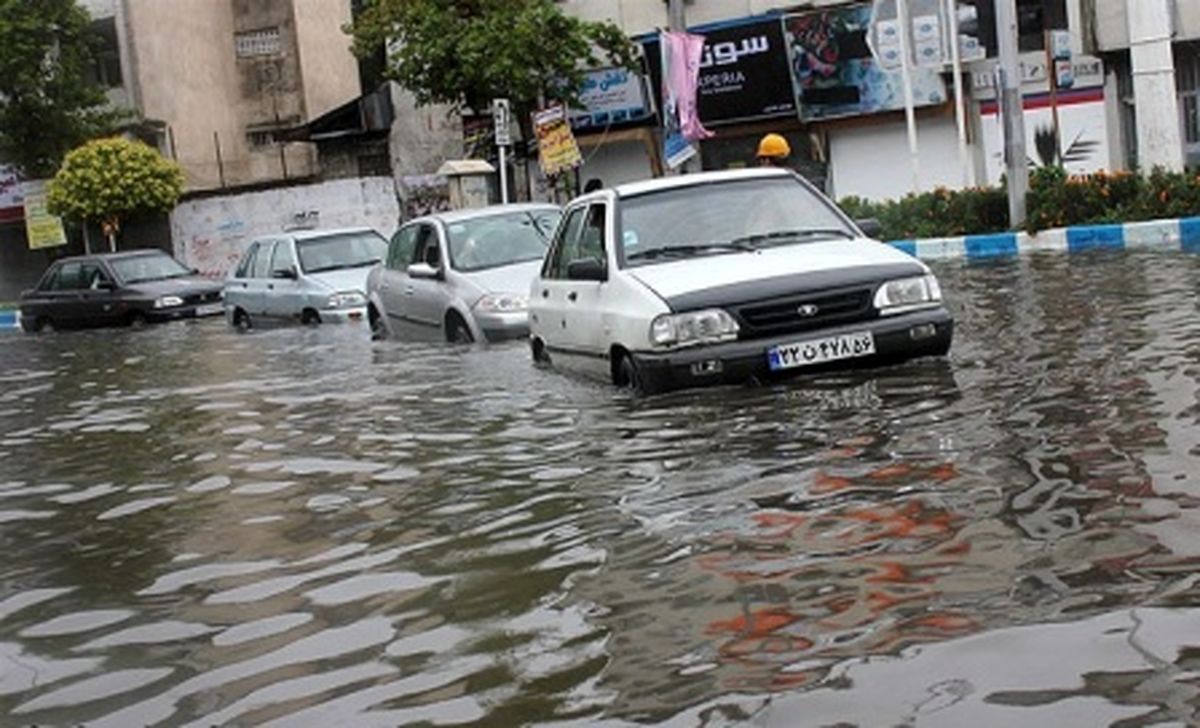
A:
611,96
12,206
744,73
557,149
835,73
43,229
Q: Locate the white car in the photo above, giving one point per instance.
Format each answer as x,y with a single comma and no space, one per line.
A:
725,277
308,276
462,276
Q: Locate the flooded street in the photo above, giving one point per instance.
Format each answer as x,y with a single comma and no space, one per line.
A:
301,527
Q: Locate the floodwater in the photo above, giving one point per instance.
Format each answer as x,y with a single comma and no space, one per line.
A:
300,527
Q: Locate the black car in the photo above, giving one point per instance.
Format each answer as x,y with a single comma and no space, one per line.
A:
118,289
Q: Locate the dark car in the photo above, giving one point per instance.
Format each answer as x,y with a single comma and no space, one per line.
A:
118,289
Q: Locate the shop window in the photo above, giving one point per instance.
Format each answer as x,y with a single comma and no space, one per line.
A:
105,70
1034,17
259,138
255,43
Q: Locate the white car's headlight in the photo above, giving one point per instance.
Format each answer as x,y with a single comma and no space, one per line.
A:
709,326
346,299
168,302
906,294
503,303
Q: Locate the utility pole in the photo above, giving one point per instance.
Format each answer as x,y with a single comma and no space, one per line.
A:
676,15
1013,110
910,116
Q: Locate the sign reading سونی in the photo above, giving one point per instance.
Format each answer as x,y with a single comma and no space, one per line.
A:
43,229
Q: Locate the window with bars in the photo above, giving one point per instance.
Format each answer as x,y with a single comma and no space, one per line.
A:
255,43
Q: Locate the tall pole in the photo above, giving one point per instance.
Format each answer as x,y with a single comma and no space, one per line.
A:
676,15
1013,109
909,104
503,174
1052,80
960,100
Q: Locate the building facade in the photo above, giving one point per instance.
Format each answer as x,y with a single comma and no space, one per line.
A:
805,70
215,84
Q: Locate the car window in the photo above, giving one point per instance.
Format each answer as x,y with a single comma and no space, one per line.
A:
760,212
427,250
495,240
262,261
70,277
341,251
247,266
50,282
403,247
284,259
565,244
94,276
591,241
148,267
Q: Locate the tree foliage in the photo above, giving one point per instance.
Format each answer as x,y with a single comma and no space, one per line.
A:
110,180
467,52
47,104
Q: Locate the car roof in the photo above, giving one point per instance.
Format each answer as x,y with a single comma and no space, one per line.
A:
311,234
114,256
454,216
691,180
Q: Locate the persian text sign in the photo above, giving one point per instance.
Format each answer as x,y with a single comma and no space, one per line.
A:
557,150
610,96
43,229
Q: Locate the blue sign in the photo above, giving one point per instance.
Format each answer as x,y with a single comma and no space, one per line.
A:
611,97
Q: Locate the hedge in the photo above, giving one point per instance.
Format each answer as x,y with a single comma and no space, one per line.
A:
1056,199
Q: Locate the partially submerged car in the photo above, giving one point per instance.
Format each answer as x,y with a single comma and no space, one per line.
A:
308,276
726,277
461,276
130,288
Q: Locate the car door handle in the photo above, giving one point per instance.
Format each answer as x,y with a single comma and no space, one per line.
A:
546,293
572,296
408,291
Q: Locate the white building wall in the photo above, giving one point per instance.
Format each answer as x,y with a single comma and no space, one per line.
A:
616,163
1112,22
211,233
872,161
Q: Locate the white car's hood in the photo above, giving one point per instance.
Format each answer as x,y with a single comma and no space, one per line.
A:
338,281
515,278
679,277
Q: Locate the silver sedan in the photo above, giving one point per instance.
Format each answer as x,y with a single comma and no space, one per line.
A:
461,276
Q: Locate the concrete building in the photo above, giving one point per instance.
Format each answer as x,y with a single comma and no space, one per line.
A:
215,83
846,121
1152,51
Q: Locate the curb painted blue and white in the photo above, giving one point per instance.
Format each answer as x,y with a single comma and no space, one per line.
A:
10,319
1181,235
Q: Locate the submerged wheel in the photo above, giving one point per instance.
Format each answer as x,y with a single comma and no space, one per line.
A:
457,331
309,317
379,330
537,348
137,320
34,324
626,375
241,320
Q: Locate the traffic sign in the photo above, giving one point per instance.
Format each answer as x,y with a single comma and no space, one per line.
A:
502,118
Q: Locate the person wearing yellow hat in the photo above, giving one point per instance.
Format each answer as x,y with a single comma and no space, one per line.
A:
773,151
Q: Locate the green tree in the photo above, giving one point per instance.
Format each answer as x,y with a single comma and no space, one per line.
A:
47,104
111,180
467,52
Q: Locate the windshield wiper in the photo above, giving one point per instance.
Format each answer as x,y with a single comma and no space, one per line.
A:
329,268
775,237
688,251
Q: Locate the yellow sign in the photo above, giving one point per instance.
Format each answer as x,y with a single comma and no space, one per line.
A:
43,229
557,150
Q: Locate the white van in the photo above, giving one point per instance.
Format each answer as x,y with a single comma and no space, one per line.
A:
725,277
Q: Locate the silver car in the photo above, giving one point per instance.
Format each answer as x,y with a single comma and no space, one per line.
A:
463,276
311,276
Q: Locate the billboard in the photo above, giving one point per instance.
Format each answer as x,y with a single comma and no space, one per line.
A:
835,73
611,96
744,72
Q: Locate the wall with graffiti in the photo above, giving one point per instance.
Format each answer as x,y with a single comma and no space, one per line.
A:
211,233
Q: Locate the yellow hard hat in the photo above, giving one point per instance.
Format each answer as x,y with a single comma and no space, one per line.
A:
774,146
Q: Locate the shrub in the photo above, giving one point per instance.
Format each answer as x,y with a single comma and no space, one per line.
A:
1055,199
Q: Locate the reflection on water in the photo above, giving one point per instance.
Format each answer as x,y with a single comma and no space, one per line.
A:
300,527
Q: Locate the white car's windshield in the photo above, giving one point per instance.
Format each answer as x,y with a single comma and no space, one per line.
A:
498,240
342,250
725,217
145,268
